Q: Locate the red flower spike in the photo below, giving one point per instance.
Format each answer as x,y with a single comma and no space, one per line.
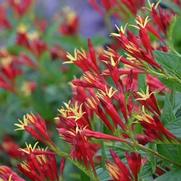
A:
90,80
153,127
4,22
135,51
35,126
27,61
142,24
134,162
70,24
98,135
155,85
71,126
83,60
6,174
39,164
143,139
93,104
82,149
120,172
132,5
9,71
58,52
148,100
105,99
92,54
7,145
62,166
178,2
161,17
20,7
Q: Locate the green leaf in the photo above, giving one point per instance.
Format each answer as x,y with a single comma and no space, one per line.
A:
174,38
167,114
142,82
172,152
40,104
175,128
177,106
103,174
171,64
174,175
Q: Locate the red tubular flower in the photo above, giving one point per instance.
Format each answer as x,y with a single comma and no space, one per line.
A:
38,47
35,126
143,33
90,80
7,145
93,104
39,164
70,24
82,149
79,58
148,100
30,40
22,37
105,99
41,24
162,18
4,22
85,61
120,172
132,5
137,48
112,62
155,85
178,2
27,61
98,135
154,128
20,7
134,162
9,71
143,139
71,125
6,174
57,52
62,166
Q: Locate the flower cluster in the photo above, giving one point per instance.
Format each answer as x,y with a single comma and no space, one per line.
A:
111,122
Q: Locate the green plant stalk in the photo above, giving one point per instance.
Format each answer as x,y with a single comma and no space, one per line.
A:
156,154
164,75
170,39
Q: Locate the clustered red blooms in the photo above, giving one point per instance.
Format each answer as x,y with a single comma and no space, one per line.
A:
119,171
7,174
108,5
30,39
70,22
39,164
119,105
35,125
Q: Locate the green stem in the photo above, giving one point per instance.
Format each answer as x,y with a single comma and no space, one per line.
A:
164,75
146,149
